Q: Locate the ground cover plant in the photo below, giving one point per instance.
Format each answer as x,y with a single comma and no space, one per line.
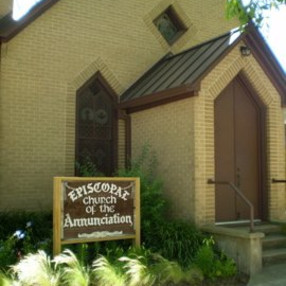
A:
138,267
22,233
173,252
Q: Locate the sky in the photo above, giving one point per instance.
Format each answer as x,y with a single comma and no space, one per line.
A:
20,7
275,34
273,29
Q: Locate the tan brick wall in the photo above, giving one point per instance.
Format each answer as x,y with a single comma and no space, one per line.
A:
5,7
182,134
168,129
211,87
44,65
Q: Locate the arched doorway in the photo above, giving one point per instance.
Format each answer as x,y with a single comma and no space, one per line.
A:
239,151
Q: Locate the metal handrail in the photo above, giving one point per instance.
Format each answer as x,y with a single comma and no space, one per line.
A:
241,195
278,181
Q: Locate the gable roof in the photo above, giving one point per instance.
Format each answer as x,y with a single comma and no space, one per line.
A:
180,69
10,28
268,61
181,80
179,76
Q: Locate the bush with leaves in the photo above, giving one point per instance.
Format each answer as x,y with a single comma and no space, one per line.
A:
139,268
178,240
145,267
252,10
214,263
174,239
29,236
36,269
87,168
153,204
41,221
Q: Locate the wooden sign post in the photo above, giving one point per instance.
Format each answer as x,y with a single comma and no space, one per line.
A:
95,209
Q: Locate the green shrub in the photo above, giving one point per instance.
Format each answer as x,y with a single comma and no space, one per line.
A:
147,268
23,233
108,273
213,263
153,204
179,244
42,223
177,240
68,270
87,168
8,252
36,269
139,267
174,239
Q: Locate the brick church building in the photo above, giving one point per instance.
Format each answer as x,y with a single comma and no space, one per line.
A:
102,78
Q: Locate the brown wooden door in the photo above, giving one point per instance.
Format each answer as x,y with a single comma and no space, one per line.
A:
238,151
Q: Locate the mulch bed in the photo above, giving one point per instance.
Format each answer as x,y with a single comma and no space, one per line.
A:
239,280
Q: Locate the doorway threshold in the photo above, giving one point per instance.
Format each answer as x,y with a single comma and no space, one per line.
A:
237,222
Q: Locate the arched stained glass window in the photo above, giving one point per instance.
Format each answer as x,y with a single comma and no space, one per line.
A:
96,125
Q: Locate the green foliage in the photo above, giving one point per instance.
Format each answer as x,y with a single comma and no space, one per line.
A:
107,273
23,233
6,280
42,223
36,269
153,204
139,268
87,168
253,10
82,252
8,253
214,264
147,268
177,240
71,271
174,251
234,8
86,252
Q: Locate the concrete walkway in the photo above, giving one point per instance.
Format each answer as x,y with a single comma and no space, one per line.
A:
273,275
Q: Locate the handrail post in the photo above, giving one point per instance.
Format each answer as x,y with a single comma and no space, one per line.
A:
251,218
241,195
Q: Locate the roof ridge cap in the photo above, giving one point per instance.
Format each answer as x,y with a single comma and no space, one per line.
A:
231,32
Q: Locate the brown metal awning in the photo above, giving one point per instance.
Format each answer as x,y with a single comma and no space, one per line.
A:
178,76
179,70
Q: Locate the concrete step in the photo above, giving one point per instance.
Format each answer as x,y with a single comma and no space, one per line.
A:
268,228
272,241
272,256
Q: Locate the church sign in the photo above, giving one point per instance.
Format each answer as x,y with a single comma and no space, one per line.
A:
95,209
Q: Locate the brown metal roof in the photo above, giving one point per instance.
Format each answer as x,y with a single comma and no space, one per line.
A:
9,27
178,76
179,70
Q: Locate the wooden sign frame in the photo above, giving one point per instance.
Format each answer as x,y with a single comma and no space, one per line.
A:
61,189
